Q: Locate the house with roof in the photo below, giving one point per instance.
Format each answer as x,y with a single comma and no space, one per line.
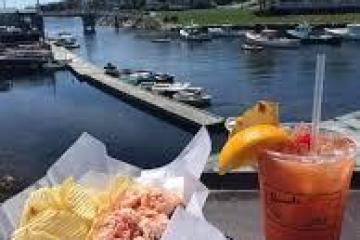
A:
309,5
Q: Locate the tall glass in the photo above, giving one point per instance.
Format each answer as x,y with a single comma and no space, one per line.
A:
303,197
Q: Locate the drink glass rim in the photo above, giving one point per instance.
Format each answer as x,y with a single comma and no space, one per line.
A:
352,151
334,156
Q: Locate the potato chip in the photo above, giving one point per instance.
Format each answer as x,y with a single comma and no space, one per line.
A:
27,234
23,232
60,224
107,198
79,201
102,201
38,201
66,211
117,187
58,197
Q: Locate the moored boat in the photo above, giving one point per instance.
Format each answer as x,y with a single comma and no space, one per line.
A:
161,40
111,70
71,44
222,31
169,88
144,77
308,35
54,65
350,32
216,32
251,47
194,33
194,97
270,38
164,78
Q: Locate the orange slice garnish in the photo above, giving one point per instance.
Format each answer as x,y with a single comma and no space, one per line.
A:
244,146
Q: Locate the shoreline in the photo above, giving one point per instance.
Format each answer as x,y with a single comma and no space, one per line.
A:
237,19
246,18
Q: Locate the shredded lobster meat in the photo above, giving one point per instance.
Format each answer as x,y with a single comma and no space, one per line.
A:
140,214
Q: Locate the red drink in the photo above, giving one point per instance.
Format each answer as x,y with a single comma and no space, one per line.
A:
303,196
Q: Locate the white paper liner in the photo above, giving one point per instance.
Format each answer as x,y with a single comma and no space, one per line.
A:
87,161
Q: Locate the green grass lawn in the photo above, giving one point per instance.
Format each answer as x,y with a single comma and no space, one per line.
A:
239,16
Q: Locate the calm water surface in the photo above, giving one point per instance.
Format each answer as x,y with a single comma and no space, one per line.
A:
234,78
42,114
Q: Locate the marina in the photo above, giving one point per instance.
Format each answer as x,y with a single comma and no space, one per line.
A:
181,111
163,84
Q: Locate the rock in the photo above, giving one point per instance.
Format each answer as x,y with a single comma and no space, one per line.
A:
7,183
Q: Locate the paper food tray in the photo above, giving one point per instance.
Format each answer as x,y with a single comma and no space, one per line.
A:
87,161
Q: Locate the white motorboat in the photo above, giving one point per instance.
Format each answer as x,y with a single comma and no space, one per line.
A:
146,85
193,96
194,33
308,35
270,38
63,37
169,88
248,47
224,30
161,40
66,40
350,32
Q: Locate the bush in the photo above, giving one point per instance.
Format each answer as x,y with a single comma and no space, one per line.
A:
174,19
166,19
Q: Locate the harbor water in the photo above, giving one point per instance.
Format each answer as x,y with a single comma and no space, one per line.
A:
43,113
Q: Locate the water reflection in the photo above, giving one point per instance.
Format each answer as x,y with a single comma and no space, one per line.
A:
5,85
43,114
259,63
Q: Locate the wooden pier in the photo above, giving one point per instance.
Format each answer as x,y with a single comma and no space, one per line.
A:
160,104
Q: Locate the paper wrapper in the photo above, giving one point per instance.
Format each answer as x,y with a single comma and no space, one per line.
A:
87,161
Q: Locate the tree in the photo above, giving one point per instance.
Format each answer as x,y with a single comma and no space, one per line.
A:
73,4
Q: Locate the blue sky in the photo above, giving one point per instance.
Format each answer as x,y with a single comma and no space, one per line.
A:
23,3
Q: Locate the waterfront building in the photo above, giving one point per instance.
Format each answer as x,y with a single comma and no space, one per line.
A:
20,25
177,4
309,5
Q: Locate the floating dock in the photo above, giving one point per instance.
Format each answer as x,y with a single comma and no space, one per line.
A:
160,104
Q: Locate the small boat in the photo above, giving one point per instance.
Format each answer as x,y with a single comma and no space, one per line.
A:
126,71
194,97
63,38
146,85
350,32
164,78
270,38
128,24
161,40
308,35
71,45
139,77
54,65
222,31
136,77
169,89
194,33
216,32
111,70
250,47
64,34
